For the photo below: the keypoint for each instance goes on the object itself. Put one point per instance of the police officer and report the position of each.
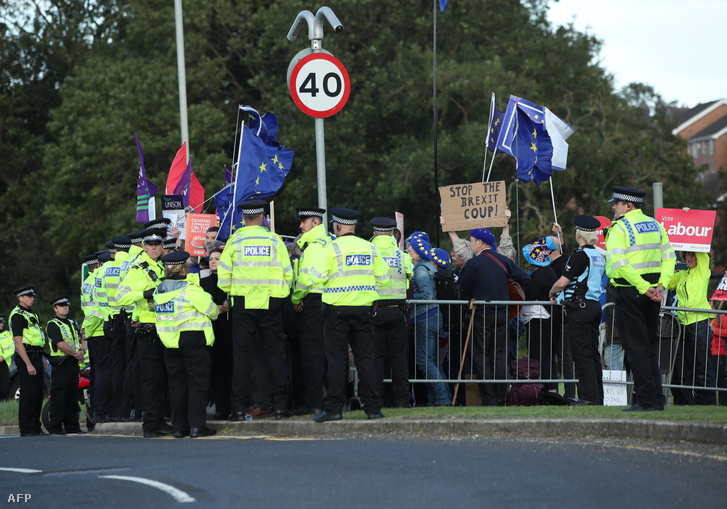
(183, 313)
(7, 349)
(390, 329)
(66, 352)
(117, 317)
(348, 269)
(133, 349)
(98, 348)
(640, 264)
(29, 343)
(169, 245)
(307, 301)
(255, 271)
(137, 289)
(581, 281)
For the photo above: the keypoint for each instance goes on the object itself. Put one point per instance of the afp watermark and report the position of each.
(19, 497)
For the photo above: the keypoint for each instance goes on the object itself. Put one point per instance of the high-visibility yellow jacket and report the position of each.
(182, 305)
(70, 335)
(112, 274)
(311, 243)
(255, 265)
(400, 268)
(33, 334)
(691, 286)
(348, 269)
(144, 274)
(93, 317)
(99, 292)
(7, 346)
(639, 252)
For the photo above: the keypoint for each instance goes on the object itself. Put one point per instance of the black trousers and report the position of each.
(221, 371)
(153, 381)
(133, 367)
(264, 326)
(31, 393)
(312, 350)
(120, 396)
(344, 326)
(4, 380)
(540, 336)
(188, 369)
(637, 321)
(99, 352)
(392, 340)
(64, 408)
(489, 351)
(583, 335)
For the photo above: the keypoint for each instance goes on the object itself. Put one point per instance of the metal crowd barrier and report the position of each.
(689, 371)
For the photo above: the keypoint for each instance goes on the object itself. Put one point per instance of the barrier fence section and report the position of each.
(448, 339)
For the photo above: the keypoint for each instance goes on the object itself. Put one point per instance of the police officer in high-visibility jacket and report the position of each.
(307, 301)
(349, 269)
(7, 349)
(255, 271)
(137, 290)
(183, 314)
(67, 350)
(98, 348)
(392, 333)
(640, 264)
(29, 343)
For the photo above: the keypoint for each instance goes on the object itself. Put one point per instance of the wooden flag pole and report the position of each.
(464, 350)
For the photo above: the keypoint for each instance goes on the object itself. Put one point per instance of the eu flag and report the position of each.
(495, 128)
(533, 150)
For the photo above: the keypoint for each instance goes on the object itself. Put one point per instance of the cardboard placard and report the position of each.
(197, 226)
(476, 205)
(614, 394)
(400, 227)
(173, 209)
(688, 231)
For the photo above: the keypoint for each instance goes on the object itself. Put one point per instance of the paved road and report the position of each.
(393, 471)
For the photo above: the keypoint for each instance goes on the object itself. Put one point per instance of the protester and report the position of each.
(719, 354)
(485, 278)
(693, 366)
(7, 349)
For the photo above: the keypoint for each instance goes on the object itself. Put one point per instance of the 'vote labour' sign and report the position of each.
(688, 231)
(478, 205)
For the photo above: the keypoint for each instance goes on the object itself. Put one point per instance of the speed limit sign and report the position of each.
(320, 85)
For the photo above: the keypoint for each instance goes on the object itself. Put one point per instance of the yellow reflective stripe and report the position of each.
(211, 309)
(279, 282)
(222, 265)
(647, 265)
(643, 247)
(383, 277)
(315, 273)
(185, 326)
(123, 292)
(620, 263)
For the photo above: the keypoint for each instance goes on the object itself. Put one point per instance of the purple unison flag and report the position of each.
(145, 191)
(229, 177)
(185, 182)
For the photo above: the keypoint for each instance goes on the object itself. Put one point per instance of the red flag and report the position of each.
(179, 165)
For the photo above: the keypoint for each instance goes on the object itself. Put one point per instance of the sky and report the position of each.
(677, 46)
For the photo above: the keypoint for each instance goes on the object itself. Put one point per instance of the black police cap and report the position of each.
(306, 212)
(104, 256)
(26, 290)
(343, 215)
(61, 301)
(91, 259)
(587, 223)
(383, 224)
(158, 224)
(109, 245)
(627, 194)
(252, 207)
(121, 242)
(175, 258)
(154, 236)
(136, 237)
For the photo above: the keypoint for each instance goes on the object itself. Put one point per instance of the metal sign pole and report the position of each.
(315, 35)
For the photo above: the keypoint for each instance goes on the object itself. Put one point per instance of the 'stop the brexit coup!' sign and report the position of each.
(477, 205)
(689, 230)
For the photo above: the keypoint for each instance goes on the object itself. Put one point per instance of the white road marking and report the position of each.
(21, 470)
(178, 495)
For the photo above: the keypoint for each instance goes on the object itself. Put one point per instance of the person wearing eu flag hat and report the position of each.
(640, 263)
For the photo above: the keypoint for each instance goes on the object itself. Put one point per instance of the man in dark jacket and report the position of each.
(484, 278)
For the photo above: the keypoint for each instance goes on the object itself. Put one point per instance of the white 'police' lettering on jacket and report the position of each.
(257, 251)
(393, 262)
(166, 308)
(647, 226)
(358, 259)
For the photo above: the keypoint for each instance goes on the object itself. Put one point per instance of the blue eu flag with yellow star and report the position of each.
(263, 164)
(533, 149)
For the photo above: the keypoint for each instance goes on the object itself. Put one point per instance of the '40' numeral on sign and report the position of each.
(309, 85)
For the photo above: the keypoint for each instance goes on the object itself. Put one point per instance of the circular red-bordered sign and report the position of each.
(319, 85)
